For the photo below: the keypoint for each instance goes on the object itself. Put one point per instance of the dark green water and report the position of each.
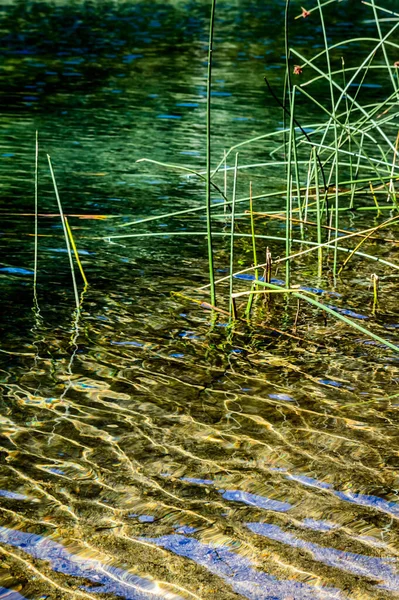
(144, 452)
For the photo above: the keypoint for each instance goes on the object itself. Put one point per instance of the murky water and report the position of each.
(146, 451)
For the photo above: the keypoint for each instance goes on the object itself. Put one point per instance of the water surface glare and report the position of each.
(148, 450)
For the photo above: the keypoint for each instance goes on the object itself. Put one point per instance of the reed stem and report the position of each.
(318, 217)
(208, 155)
(36, 217)
(231, 307)
(75, 251)
(75, 289)
(288, 204)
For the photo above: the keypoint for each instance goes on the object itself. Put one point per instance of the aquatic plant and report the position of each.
(348, 146)
(328, 163)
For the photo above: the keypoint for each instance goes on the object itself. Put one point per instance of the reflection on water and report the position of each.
(146, 451)
(107, 579)
(6, 594)
(161, 470)
(238, 571)
(383, 570)
(391, 508)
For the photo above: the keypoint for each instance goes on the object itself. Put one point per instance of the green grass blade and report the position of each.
(75, 289)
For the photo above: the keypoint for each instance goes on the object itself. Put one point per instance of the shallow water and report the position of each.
(146, 450)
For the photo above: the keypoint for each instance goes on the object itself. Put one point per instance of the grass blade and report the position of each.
(75, 289)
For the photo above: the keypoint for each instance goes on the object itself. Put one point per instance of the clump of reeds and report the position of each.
(328, 163)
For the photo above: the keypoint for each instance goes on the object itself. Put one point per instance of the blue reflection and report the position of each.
(284, 397)
(108, 579)
(373, 501)
(6, 594)
(331, 382)
(12, 495)
(347, 312)
(146, 519)
(237, 571)
(310, 481)
(65, 251)
(387, 506)
(256, 500)
(245, 497)
(318, 525)
(187, 104)
(168, 117)
(381, 569)
(197, 481)
(127, 343)
(186, 529)
(16, 271)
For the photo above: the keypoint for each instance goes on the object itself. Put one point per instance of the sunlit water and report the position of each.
(148, 452)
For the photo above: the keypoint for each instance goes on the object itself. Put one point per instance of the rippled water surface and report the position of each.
(146, 450)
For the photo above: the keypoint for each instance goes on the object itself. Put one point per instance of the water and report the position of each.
(145, 452)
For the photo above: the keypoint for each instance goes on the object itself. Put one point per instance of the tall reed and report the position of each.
(36, 219)
(231, 302)
(208, 153)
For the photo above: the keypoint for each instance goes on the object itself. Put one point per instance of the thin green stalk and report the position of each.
(333, 112)
(356, 174)
(318, 216)
(374, 196)
(308, 185)
(36, 216)
(375, 283)
(225, 182)
(298, 184)
(231, 307)
(75, 289)
(251, 211)
(252, 293)
(384, 51)
(75, 251)
(390, 12)
(287, 79)
(392, 190)
(288, 202)
(348, 111)
(208, 153)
